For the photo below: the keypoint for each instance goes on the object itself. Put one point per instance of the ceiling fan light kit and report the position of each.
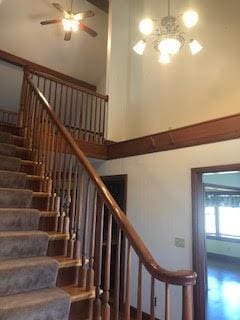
(72, 22)
(166, 35)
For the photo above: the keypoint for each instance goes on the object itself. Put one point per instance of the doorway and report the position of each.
(216, 239)
(117, 185)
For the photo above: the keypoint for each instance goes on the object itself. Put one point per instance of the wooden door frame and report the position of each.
(198, 229)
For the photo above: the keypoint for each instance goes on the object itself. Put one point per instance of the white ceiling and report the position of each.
(83, 57)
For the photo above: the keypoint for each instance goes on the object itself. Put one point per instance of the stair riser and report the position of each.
(23, 154)
(55, 248)
(15, 247)
(47, 224)
(27, 278)
(41, 204)
(29, 169)
(66, 276)
(80, 310)
(33, 185)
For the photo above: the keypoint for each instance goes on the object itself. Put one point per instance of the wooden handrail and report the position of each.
(67, 83)
(182, 277)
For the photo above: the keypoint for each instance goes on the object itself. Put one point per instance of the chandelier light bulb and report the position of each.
(146, 26)
(169, 46)
(195, 46)
(140, 47)
(164, 58)
(190, 18)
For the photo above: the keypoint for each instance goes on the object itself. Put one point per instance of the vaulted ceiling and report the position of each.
(83, 57)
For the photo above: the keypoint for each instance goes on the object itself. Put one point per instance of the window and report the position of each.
(229, 222)
(222, 222)
(210, 220)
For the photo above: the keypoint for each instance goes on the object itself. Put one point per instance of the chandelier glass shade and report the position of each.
(166, 35)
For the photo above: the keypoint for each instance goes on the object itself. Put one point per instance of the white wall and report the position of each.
(192, 88)
(10, 86)
(117, 68)
(159, 201)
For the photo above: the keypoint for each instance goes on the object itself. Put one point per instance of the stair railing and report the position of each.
(80, 197)
(81, 110)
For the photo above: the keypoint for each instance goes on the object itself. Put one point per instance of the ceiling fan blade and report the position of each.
(44, 23)
(68, 36)
(58, 7)
(83, 15)
(85, 28)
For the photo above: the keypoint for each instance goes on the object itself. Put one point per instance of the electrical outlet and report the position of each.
(179, 242)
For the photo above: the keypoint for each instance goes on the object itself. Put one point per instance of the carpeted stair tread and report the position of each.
(19, 219)
(11, 179)
(28, 274)
(46, 304)
(8, 150)
(15, 198)
(10, 163)
(22, 244)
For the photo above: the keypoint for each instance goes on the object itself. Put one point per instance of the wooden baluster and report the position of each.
(71, 113)
(167, 301)
(98, 259)
(116, 302)
(83, 269)
(100, 122)
(107, 272)
(54, 105)
(91, 119)
(90, 272)
(79, 215)
(76, 116)
(127, 285)
(85, 133)
(59, 111)
(80, 131)
(187, 308)
(152, 300)
(104, 120)
(95, 120)
(73, 212)
(139, 295)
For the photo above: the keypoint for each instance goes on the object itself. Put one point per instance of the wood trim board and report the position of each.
(211, 131)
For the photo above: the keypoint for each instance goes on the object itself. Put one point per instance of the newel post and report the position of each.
(187, 301)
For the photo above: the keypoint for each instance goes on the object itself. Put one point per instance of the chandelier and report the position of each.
(166, 35)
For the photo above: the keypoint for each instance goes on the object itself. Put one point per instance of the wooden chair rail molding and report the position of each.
(23, 63)
(216, 130)
(38, 117)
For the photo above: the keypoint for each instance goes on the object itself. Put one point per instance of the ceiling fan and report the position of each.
(71, 21)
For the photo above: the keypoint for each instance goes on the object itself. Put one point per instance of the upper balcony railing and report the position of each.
(81, 110)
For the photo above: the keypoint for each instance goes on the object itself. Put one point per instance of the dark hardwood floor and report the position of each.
(223, 301)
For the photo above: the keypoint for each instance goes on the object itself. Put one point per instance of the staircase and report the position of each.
(56, 263)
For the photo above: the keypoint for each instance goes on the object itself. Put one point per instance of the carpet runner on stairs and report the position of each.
(27, 276)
